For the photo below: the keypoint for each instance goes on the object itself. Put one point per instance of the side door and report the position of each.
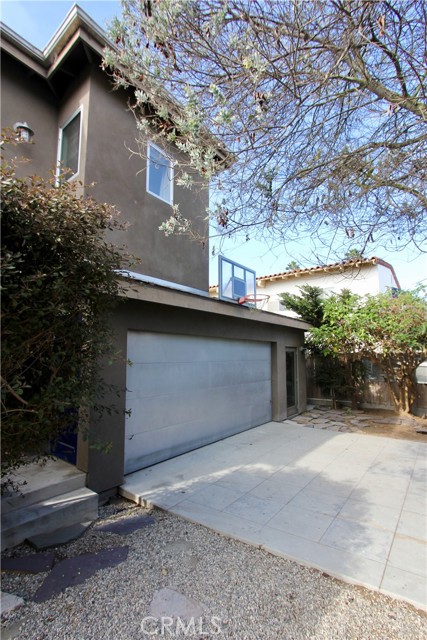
(291, 381)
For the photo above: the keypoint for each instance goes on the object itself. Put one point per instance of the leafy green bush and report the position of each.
(389, 329)
(58, 286)
(343, 376)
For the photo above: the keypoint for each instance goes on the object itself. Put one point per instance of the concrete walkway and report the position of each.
(351, 505)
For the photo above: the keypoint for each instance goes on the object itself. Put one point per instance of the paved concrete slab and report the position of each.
(351, 505)
(59, 536)
(9, 602)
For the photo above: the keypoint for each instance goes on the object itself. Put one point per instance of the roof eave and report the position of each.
(338, 266)
(77, 23)
(75, 19)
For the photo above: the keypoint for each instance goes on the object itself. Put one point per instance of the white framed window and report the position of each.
(159, 174)
(69, 146)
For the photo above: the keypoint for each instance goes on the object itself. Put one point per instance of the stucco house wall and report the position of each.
(24, 98)
(120, 179)
(366, 276)
(167, 292)
(108, 134)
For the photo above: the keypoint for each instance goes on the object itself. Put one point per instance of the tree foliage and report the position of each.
(293, 265)
(309, 304)
(340, 374)
(322, 105)
(58, 285)
(389, 330)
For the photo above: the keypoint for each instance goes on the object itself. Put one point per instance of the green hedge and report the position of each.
(58, 286)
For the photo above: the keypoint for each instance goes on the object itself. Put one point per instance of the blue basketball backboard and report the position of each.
(235, 280)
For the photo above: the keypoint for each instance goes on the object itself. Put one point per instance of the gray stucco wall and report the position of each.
(25, 97)
(108, 132)
(120, 178)
(107, 128)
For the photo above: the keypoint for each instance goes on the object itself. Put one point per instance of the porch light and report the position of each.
(23, 131)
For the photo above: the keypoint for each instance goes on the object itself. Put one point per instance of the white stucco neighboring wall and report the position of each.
(363, 279)
(386, 279)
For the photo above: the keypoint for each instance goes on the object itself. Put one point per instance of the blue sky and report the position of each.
(37, 21)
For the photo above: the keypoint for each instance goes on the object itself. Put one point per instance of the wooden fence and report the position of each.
(376, 394)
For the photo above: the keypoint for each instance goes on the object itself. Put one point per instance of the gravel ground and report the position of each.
(246, 593)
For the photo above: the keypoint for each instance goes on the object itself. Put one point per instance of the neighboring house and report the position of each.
(360, 275)
(201, 369)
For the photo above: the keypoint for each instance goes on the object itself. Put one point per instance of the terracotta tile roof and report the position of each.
(335, 266)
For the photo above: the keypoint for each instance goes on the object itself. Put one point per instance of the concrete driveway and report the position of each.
(351, 505)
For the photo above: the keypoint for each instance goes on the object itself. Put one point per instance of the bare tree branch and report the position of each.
(322, 106)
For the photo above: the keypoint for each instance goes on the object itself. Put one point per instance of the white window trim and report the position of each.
(60, 134)
(171, 181)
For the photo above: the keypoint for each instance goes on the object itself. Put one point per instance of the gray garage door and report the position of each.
(185, 392)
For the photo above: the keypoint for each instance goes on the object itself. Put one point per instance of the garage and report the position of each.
(186, 391)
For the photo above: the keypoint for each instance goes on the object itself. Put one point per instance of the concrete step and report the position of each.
(39, 481)
(48, 515)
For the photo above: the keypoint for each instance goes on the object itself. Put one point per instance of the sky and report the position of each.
(37, 21)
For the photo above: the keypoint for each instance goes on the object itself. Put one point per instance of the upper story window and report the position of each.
(69, 147)
(159, 174)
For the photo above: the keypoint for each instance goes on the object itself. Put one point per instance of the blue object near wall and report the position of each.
(65, 444)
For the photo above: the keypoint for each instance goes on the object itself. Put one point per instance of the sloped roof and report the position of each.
(77, 42)
(75, 20)
(61, 56)
(343, 265)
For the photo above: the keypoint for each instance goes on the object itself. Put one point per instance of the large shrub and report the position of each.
(58, 285)
(341, 375)
(390, 329)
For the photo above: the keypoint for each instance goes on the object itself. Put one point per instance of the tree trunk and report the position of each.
(334, 398)
(405, 395)
(355, 393)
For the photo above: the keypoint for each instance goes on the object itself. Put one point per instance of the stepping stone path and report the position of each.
(350, 421)
(9, 602)
(58, 537)
(334, 420)
(73, 571)
(35, 563)
(171, 603)
(184, 550)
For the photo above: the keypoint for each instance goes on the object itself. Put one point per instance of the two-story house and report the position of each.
(201, 369)
(360, 275)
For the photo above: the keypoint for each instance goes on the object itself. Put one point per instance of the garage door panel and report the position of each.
(143, 448)
(154, 379)
(149, 379)
(191, 391)
(172, 348)
(156, 412)
(233, 373)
